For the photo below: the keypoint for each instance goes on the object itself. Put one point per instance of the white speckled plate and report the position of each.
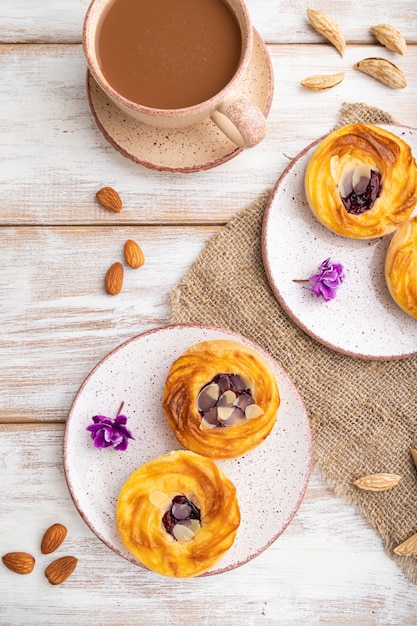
(363, 320)
(190, 149)
(270, 480)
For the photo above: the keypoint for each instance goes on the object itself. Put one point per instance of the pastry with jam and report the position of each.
(221, 399)
(361, 181)
(178, 514)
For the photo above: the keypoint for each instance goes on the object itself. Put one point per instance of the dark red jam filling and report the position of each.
(182, 510)
(208, 406)
(357, 203)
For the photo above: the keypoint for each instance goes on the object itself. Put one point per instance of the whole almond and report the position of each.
(113, 280)
(408, 547)
(329, 28)
(377, 482)
(52, 538)
(390, 37)
(413, 453)
(19, 562)
(320, 82)
(383, 70)
(109, 199)
(133, 254)
(61, 569)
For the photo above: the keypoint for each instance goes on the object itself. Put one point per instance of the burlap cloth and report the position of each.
(363, 413)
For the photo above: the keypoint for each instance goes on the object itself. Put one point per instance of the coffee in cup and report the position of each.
(173, 64)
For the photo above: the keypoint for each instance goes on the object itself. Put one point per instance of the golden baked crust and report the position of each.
(329, 177)
(147, 495)
(401, 267)
(196, 368)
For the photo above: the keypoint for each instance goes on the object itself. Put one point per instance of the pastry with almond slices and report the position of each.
(221, 399)
(361, 181)
(178, 514)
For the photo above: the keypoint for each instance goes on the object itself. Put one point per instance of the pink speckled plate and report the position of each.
(190, 149)
(363, 320)
(270, 480)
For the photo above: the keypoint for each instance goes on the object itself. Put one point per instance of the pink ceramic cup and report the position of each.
(236, 116)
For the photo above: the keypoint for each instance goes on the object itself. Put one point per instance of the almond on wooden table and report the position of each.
(383, 70)
(390, 37)
(133, 254)
(320, 82)
(58, 571)
(329, 28)
(52, 538)
(113, 280)
(109, 199)
(377, 482)
(19, 562)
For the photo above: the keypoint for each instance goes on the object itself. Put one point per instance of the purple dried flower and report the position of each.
(107, 432)
(327, 280)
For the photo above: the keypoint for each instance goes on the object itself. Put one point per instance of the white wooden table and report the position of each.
(56, 321)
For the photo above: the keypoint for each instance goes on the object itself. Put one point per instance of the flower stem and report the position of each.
(120, 407)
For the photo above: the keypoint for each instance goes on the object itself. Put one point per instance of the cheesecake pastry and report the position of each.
(178, 514)
(401, 266)
(221, 399)
(361, 181)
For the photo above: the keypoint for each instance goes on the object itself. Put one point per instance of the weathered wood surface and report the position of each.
(279, 22)
(327, 568)
(57, 322)
(54, 159)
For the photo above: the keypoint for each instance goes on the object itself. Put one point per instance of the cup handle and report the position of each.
(241, 121)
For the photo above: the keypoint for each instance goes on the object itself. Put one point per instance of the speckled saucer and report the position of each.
(198, 147)
(270, 480)
(363, 320)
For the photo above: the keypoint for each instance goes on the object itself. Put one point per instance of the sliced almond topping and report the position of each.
(182, 533)
(252, 411)
(212, 391)
(160, 500)
(345, 186)
(194, 525)
(207, 397)
(227, 398)
(334, 167)
(360, 177)
(224, 412)
(205, 425)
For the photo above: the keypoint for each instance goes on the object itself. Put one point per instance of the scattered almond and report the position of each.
(322, 81)
(414, 455)
(390, 37)
(160, 499)
(113, 281)
(327, 27)
(52, 538)
(58, 571)
(383, 70)
(377, 482)
(133, 254)
(109, 199)
(19, 562)
(408, 547)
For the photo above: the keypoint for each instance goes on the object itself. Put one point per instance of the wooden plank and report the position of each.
(328, 567)
(57, 321)
(54, 159)
(60, 21)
